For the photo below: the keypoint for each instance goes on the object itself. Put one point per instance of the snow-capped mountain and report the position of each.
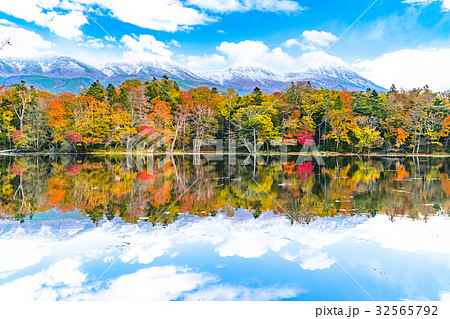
(333, 76)
(245, 77)
(50, 66)
(59, 73)
(151, 68)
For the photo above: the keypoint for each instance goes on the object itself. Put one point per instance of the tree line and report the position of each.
(98, 118)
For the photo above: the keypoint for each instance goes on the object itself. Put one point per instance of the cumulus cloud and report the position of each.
(320, 58)
(66, 25)
(7, 23)
(291, 43)
(23, 42)
(206, 62)
(257, 52)
(66, 17)
(445, 3)
(144, 47)
(246, 5)
(92, 43)
(60, 18)
(313, 40)
(163, 15)
(409, 68)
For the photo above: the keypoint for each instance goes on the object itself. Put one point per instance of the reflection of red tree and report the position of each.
(445, 183)
(74, 169)
(145, 176)
(305, 170)
(16, 170)
(187, 202)
(161, 195)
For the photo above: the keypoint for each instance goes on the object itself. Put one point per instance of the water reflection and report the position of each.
(107, 187)
(65, 220)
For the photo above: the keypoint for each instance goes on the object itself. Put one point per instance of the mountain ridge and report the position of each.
(57, 73)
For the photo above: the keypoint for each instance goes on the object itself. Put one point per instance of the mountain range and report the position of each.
(65, 74)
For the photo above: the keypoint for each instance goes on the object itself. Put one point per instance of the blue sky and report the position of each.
(404, 42)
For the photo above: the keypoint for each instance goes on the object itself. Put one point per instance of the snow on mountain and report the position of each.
(49, 65)
(156, 67)
(245, 77)
(242, 77)
(333, 76)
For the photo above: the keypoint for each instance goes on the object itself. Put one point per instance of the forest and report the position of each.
(105, 118)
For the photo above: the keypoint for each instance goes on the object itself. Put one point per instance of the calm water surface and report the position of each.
(117, 228)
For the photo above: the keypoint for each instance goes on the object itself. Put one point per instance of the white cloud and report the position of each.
(291, 43)
(445, 297)
(230, 293)
(163, 15)
(66, 24)
(409, 68)
(445, 3)
(7, 23)
(175, 43)
(92, 43)
(145, 46)
(257, 52)
(246, 5)
(320, 58)
(206, 62)
(23, 42)
(313, 40)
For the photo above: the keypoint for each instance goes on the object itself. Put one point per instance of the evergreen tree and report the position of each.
(97, 91)
(111, 93)
(257, 96)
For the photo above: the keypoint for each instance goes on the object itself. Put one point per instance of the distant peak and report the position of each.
(247, 66)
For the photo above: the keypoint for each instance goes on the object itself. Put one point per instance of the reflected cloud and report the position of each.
(230, 293)
(16, 254)
(59, 281)
(155, 283)
(426, 236)
(81, 255)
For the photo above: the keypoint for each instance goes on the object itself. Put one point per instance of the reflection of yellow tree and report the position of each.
(108, 187)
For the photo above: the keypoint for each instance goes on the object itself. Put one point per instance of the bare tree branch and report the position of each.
(5, 43)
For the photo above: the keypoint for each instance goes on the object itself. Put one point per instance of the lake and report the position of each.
(194, 228)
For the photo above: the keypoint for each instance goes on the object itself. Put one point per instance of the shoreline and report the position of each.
(177, 153)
